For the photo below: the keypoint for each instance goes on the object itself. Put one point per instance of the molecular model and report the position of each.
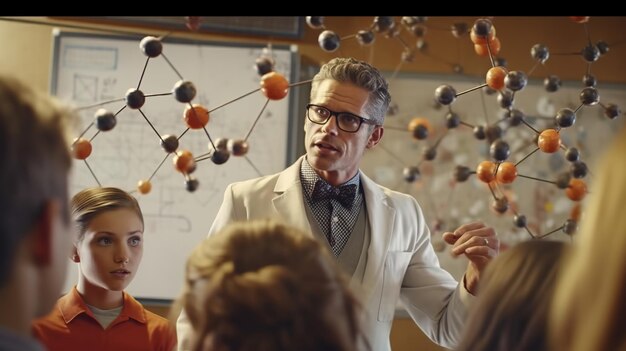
(195, 116)
(499, 171)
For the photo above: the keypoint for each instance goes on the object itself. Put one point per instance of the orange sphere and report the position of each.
(494, 45)
(274, 85)
(184, 162)
(495, 77)
(549, 141)
(507, 172)
(144, 186)
(81, 149)
(486, 171)
(576, 190)
(196, 117)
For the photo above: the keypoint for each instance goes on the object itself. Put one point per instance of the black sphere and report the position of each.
(329, 41)
(452, 120)
(552, 83)
(612, 111)
(461, 173)
(603, 47)
(220, 156)
(589, 96)
(505, 99)
(383, 23)
(590, 53)
(562, 181)
(151, 46)
(418, 30)
(572, 154)
(459, 29)
(500, 205)
(589, 80)
(519, 220)
(565, 118)
(420, 132)
(315, 22)
(429, 153)
(479, 132)
(516, 80)
(105, 120)
(578, 169)
(540, 52)
(482, 27)
(191, 184)
(184, 91)
(135, 98)
(445, 94)
(365, 37)
(516, 117)
(570, 226)
(169, 143)
(264, 65)
(411, 174)
(499, 150)
(500, 61)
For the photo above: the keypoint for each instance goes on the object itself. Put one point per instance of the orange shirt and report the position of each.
(72, 326)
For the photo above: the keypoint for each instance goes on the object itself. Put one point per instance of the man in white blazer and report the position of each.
(379, 236)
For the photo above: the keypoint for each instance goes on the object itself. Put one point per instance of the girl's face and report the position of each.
(111, 249)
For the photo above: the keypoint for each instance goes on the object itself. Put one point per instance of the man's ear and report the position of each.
(43, 231)
(376, 137)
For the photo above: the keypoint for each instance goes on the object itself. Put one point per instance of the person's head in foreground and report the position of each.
(266, 286)
(589, 307)
(34, 214)
(511, 309)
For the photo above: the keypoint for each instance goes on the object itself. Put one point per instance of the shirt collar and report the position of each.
(72, 304)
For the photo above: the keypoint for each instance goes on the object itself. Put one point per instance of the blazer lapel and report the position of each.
(289, 199)
(381, 218)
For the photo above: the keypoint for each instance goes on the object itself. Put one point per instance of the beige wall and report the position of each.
(26, 52)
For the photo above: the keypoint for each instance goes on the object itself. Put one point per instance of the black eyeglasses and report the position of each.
(346, 121)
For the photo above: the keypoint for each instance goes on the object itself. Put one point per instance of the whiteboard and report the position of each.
(91, 69)
(545, 206)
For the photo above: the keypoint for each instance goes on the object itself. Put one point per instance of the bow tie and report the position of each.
(344, 194)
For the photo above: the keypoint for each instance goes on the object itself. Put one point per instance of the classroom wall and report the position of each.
(27, 47)
(27, 53)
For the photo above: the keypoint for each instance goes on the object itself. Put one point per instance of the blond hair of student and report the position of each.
(266, 286)
(589, 309)
(511, 310)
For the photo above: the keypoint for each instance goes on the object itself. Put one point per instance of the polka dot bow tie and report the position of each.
(344, 194)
